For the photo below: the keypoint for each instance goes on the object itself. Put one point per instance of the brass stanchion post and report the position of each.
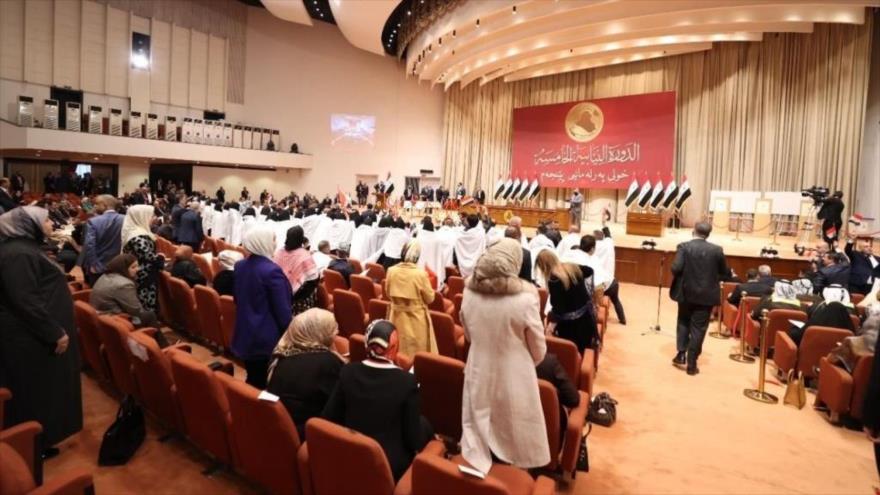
(759, 394)
(741, 356)
(720, 334)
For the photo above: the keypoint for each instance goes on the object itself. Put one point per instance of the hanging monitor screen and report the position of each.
(346, 128)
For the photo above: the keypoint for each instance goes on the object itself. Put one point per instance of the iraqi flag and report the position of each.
(507, 186)
(499, 187)
(632, 193)
(524, 191)
(657, 194)
(684, 192)
(645, 194)
(670, 193)
(512, 191)
(535, 189)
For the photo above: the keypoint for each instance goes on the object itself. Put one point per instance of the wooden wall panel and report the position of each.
(118, 52)
(198, 70)
(12, 39)
(66, 43)
(93, 49)
(179, 77)
(160, 68)
(38, 26)
(216, 91)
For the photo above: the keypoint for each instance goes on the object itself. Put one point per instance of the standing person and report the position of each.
(871, 409)
(221, 194)
(576, 208)
(137, 239)
(262, 301)
(525, 270)
(224, 280)
(7, 203)
(245, 194)
(189, 230)
(409, 289)
(103, 238)
(864, 265)
(39, 358)
(501, 407)
(300, 269)
(697, 271)
(570, 299)
(831, 215)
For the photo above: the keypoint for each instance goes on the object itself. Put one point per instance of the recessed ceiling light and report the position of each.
(514, 9)
(408, 12)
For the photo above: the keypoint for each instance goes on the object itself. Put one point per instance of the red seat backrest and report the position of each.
(457, 314)
(82, 295)
(437, 303)
(152, 371)
(227, 319)
(349, 312)
(567, 354)
(435, 475)
(113, 333)
(334, 280)
(204, 267)
(86, 319)
(441, 381)
(356, 265)
(183, 304)
(375, 272)
(542, 301)
(378, 309)
(778, 321)
(550, 405)
(357, 350)
(340, 460)
(264, 436)
(444, 333)
(203, 405)
(454, 285)
(364, 288)
(209, 313)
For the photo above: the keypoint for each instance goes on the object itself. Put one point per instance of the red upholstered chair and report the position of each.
(356, 265)
(357, 352)
(728, 311)
(21, 468)
(204, 267)
(747, 304)
(365, 288)
(543, 295)
(5, 395)
(341, 345)
(456, 315)
(337, 460)
(855, 299)
(204, 407)
(325, 300)
(166, 309)
(209, 314)
(265, 437)
(349, 312)
(843, 393)
(86, 319)
(152, 371)
(566, 460)
(376, 272)
(816, 343)
(441, 304)
(113, 334)
(377, 309)
(441, 381)
(446, 332)
(333, 280)
(215, 265)
(433, 474)
(82, 295)
(856, 322)
(778, 320)
(581, 371)
(454, 285)
(452, 271)
(227, 320)
(183, 304)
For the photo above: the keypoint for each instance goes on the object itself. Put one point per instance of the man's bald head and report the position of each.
(512, 233)
(515, 222)
(105, 202)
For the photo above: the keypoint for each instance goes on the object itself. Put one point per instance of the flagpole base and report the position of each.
(760, 396)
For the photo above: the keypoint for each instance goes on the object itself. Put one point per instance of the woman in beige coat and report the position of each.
(410, 293)
(501, 407)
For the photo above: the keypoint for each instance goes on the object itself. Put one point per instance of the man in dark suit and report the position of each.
(525, 270)
(753, 286)
(864, 266)
(835, 269)
(697, 269)
(6, 201)
(189, 231)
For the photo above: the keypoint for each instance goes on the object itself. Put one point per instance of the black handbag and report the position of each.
(583, 461)
(124, 436)
(603, 410)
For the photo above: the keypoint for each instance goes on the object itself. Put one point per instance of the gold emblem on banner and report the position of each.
(584, 122)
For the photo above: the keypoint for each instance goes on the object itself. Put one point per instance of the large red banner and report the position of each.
(603, 143)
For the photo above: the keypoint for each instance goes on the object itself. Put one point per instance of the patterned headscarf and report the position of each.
(836, 293)
(382, 341)
(411, 252)
(783, 289)
(803, 286)
(310, 331)
(137, 222)
(23, 222)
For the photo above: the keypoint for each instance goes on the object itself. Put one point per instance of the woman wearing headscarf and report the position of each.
(572, 305)
(380, 400)
(224, 280)
(300, 269)
(138, 240)
(305, 366)
(847, 353)
(834, 311)
(262, 305)
(115, 292)
(410, 292)
(39, 356)
(501, 407)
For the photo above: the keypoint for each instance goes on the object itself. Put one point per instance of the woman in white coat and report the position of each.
(501, 407)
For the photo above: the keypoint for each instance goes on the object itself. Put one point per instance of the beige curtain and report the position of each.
(776, 115)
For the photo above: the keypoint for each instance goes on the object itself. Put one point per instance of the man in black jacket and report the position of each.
(525, 270)
(835, 270)
(697, 271)
(864, 266)
(753, 286)
(6, 201)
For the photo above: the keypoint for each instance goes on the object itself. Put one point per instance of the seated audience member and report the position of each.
(765, 276)
(305, 367)
(525, 269)
(115, 292)
(410, 292)
(300, 269)
(834, 311)
(753, 286)
(551, 370)
(572, 307)
(185, 268)
(834, 271)
(865, 265)
(783, 296)
(846, 354)
(803, 287)
(341, 264)
(322, 256)
(380, 400)
(224, 280)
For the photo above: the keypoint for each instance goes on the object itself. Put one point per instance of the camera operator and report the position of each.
(831, 215)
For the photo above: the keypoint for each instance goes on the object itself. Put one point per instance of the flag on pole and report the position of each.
(657, 194)
(670, 193)
(632, 192)
(684, 192)
(499, 187)
(512, 189)
(645, 194)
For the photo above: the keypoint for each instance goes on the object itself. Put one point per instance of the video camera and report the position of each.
(816, 193)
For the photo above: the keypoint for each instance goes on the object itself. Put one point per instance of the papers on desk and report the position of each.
(267, 396)
(471, 471)
(797, 323)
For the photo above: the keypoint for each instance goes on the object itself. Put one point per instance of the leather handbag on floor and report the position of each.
(603, 410)
(583, 462)
(795, 390)
(124, 436)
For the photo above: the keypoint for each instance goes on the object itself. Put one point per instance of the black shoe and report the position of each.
(622, 322)
(693, 370)
(50, 453)
(679, 359)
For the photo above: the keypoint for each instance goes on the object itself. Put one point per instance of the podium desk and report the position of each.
(647, 224)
